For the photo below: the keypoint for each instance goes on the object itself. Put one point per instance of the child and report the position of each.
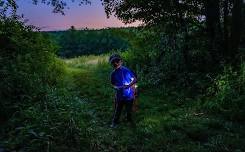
(123, 81)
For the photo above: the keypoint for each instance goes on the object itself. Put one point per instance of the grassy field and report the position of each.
(164, 122)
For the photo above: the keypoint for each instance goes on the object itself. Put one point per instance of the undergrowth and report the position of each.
(76, 117)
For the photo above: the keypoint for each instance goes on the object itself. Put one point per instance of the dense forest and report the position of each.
(189, 55)
(75, 42)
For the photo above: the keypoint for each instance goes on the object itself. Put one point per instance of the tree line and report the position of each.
(75, 42)
(221, 21)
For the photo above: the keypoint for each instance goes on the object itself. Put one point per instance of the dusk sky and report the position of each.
(90, 16)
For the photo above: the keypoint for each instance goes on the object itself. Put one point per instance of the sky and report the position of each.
(85, 16)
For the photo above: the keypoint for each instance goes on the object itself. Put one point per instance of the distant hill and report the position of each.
(75, 42)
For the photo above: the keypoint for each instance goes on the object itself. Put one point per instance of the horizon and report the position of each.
(90, 29)
(91, 16)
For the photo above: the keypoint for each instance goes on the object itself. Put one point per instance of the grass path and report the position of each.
(165, 122)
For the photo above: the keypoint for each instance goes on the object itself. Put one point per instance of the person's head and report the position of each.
(115, 60)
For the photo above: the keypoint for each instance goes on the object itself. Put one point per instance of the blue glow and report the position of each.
(123, 77)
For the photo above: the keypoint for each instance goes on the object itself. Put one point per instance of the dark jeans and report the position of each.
(118, 110)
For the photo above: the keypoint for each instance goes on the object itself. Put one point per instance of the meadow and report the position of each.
(165, 121)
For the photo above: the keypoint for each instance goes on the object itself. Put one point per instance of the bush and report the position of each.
(57, 123)
(37, 112)
(160, 58)
(229, 94)
(27, 65)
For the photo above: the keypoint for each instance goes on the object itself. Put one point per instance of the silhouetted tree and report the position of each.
(223, 30)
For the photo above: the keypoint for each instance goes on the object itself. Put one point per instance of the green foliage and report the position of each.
(166, 120)
(228, 91)
(57, 123)
(222, 20)
(76, 118)
(154, 11)
(49, 104)
(28, 64)
(162, 59)
(39, 110)
(83, 42)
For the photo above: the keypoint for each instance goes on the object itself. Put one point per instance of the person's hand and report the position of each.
(126, 86)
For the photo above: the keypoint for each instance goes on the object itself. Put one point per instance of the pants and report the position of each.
(118, 110)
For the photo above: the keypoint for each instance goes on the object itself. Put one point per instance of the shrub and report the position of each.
(229, 94)
(37, 111)
(27, 65)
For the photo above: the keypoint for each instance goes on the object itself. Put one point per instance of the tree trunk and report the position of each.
(236, 29)
(183, 25)
(212, 12)
(226, 31)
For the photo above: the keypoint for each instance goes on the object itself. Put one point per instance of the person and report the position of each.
(123, 80)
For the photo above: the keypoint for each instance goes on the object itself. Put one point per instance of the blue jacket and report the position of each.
(120, 77)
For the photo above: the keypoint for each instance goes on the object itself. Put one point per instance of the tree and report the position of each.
(58, 5)
(236, 27)
(213, 26)
(222, 29)
(152, 11)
